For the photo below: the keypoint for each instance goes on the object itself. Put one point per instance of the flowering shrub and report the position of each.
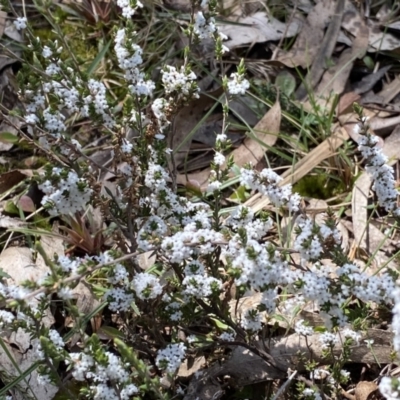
(199, 254)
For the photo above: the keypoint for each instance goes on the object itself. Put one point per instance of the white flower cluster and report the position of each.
(311, 394)
(328, 340)
(151, 233)
(109, 378)
(129, 57)
(182, 82)
(70, 98)
(378, 289)
(251, 320)
(266, 182)
(20, 23)
(159, 108)
(238, 84)
(319, 374)
(227, 336)
(390, 388)
(171, 357)
(65, 195)
(310, 242)
(129, 7)
(350, 334)
(146, 286)
(6, 318)
(200, 286)
(57, 340)
(205, 28)
(97, 98)
(302, 329)
(382, 174)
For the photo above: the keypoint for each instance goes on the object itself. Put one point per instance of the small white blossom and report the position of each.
(20, 23)
(171, 357)
(146, 286)
(237, 84)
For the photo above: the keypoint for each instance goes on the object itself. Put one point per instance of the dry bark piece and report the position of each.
(11, 178)
(245, 368)
(366, 390)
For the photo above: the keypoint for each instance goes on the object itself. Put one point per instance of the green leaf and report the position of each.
(11, 208)
(8, 137)
(3, 274)
(369, 62)
(98, 58)
(240, 194)
(286, 82)
(135, 308)
(111, 332)
(219, 324)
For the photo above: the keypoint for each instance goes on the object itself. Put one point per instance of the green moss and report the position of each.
(77, 37)
(319, 186)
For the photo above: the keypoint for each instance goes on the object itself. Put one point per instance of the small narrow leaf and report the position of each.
(8, 137)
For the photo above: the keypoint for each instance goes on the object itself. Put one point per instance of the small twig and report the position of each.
(282, 389)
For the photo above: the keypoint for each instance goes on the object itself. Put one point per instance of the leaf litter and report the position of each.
(331, 40)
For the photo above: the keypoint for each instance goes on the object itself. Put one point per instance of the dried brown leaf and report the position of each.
(185, 121)
(265, 135)
(310, 38)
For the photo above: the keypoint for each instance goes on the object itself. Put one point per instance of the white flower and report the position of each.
(238, 84)
(65, 293)
(382, 174)
(46, 52)
(171, 357)
(348, 333)
(302, 329)
(251, 320)
(227, 336)
(182, 82)
(119, 299)
(219, 159)
(204, 28)
(215, 185)
(67, 196)
(221, 138)
(6, 318)
(20, 23)
(328, 340)
(127, 10)
(146, 286)
(311, 393)
(57, 340)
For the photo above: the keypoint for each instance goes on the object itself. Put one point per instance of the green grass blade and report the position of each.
(98, 58)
